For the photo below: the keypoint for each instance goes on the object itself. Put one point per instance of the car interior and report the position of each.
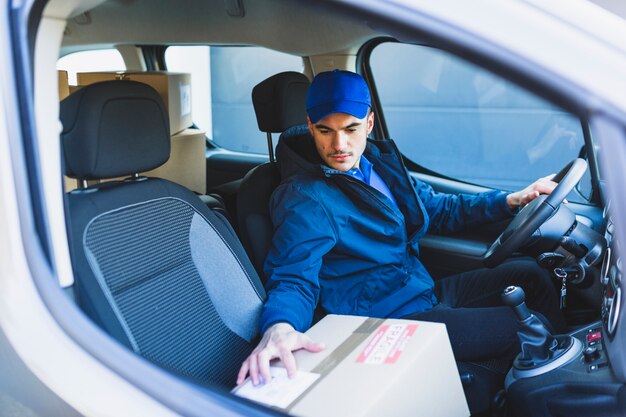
(166, 189)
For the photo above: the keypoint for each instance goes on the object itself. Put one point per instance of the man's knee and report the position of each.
(529, 269)
(539, 274)
(526, 273)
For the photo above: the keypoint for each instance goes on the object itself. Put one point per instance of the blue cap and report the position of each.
(337, 91)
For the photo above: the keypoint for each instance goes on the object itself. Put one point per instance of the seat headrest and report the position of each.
(112, 129)
(280, 101)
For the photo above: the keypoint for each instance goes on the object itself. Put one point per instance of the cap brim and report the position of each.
(358, 110)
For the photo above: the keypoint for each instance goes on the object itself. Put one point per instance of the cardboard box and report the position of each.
(370, 367)
(64, 87)
(187, 163)
(174, 88)
(69, 184)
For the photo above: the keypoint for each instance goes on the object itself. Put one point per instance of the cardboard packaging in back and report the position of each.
(64, 87)
(174, 88)
(370, 367)
(187, 163)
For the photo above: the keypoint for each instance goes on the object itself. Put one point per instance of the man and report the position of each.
(347, 219)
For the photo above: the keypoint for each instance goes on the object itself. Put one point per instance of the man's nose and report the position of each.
(340, 141)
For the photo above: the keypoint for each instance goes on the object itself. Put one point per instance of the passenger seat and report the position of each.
(154, 267)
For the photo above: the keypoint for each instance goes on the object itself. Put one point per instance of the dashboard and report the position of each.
(592, 382)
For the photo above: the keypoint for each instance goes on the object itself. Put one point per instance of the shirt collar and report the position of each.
(364, 172)
(366, 168)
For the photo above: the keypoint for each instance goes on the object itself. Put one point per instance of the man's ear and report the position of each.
(370, 122)
(309, 124)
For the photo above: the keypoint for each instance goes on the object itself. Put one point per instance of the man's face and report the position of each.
(340, 139)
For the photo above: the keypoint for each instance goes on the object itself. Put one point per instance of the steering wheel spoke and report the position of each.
(534, 214)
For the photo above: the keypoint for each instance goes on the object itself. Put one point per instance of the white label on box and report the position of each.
(281, 391)
(387, 344)
(185, 100)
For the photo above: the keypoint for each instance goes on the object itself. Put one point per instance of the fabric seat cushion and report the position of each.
(166, 276)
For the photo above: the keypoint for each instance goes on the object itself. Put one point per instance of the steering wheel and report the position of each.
(534, 214)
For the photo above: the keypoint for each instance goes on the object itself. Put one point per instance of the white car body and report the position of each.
(569, 49)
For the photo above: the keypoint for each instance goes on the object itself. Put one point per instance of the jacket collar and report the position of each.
(296, 153)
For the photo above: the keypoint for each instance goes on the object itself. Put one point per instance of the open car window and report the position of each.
(463, 122)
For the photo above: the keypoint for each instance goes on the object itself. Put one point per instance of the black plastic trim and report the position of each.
(154, 57)
(594, 170)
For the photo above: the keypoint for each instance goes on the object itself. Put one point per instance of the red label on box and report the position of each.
(387, 344)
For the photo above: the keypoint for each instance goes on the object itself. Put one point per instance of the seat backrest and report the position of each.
(279, 103)
(154, 267)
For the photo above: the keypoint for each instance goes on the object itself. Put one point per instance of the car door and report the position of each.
(463, 129)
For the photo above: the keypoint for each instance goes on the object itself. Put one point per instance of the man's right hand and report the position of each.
(279, 341)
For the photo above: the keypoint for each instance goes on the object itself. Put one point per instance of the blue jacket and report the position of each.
(340, 242)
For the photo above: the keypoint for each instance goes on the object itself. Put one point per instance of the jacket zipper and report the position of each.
(404, 172)
(365, 187)
(382, 203)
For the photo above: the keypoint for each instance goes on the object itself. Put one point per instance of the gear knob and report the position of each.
(514, 297)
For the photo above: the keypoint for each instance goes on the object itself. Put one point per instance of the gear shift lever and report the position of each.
(541, 351)
(514, 297)
(538, 345)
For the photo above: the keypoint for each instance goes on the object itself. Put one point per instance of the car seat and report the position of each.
(154, 267)
(279, 103)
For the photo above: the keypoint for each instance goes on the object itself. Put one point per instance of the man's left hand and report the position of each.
(543, 185)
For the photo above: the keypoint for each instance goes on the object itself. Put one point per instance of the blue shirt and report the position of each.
(367, 174)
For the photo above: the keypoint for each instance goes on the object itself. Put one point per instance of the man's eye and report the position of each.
(351, 130)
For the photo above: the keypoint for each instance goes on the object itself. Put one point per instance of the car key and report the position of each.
(562, 274)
